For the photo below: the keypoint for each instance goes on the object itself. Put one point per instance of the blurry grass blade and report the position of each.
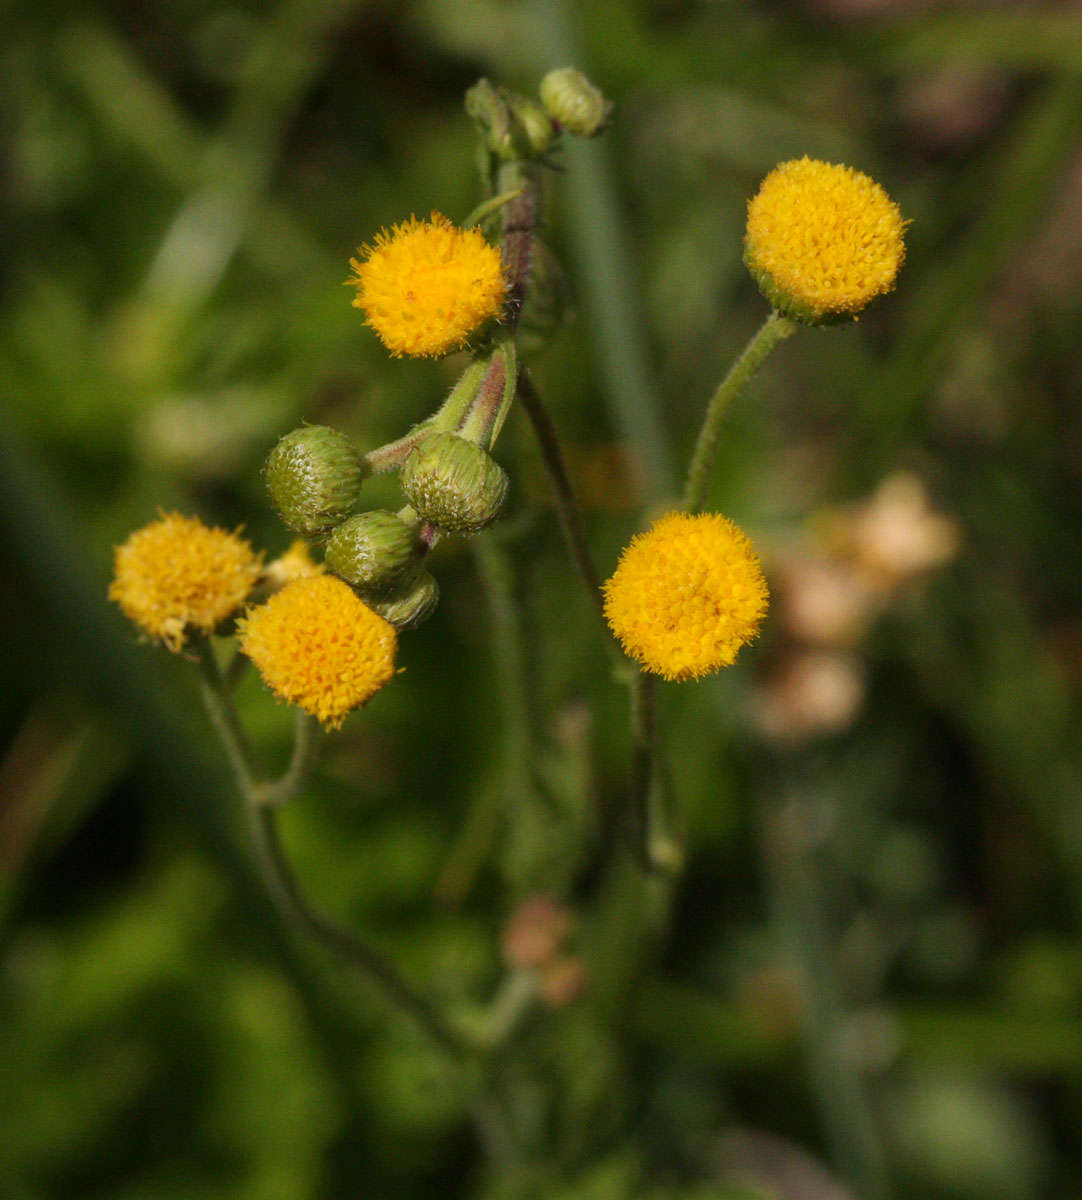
(603, 247)
(131, 102)
(1017, 183)
(1025, 40)
(284, 59)
(58, 765)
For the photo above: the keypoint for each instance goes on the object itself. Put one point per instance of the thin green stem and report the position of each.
(393, 454)
(518, 220)
(276, 792)
(497, 1023)
(653, 845)
(773, 330)
(655, 850)
(644, 734)
(487, 207)
(262, 799)
(218, 702)
(286, 894)
(567, 508)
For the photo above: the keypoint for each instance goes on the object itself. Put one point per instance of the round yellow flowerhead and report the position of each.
(686, 595)
(425, 286)
(178, 574)
(318, 646)
(822, 240)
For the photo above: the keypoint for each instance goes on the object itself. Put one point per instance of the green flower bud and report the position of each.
(412, 601)
(453, 483)
(314, 477)
(534, 125)
(512, 126)
(574, 102)
(372, 550)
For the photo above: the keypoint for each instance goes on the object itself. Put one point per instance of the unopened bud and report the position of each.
(372, 550)
(412, 601)
(534, 125)
(512, 126)
(574, 102)
(454, 483)
(314, 477)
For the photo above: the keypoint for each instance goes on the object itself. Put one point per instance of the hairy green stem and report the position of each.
(651, 840)
(393, 454)
(218, 702)
(285, 892)
(567, 508)
(487, 207)
(518, 218)
(276, 792)
(262, 799)
(773, 330)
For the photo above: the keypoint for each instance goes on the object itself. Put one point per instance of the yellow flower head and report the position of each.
(822, 240)
(426, 286)
(318, 646)
(686, 595)
(178, 574)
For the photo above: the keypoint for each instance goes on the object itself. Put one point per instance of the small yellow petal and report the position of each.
(296, 563)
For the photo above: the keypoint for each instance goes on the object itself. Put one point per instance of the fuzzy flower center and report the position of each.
(425, 286)
(823, 240)
(318, 646)
(178, 574)
(686, 595)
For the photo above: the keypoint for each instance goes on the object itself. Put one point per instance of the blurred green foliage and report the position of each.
(873, 958)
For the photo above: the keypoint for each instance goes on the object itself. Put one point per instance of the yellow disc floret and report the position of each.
(425, 286)
(178, 574)
(318, 646)
(822, 240)
(686, 595)
(296, 563)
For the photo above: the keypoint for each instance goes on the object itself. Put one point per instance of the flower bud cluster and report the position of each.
(451, 484)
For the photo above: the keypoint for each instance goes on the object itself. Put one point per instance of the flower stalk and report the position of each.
(567, 506)
(775, 329)
(262, 799)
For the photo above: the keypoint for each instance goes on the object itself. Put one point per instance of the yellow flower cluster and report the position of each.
(686, 595)
(178, 574)
(318, 646)
(425, 286)
(822, 240)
